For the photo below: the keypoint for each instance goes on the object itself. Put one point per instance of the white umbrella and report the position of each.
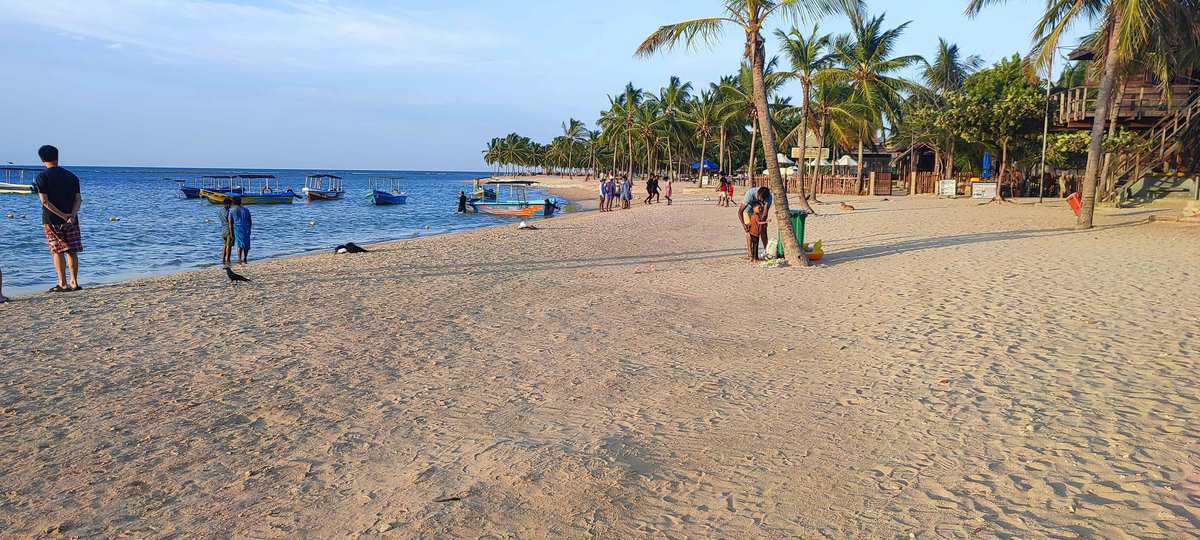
(846, 161)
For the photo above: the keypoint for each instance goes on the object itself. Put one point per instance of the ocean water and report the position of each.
(135, 222)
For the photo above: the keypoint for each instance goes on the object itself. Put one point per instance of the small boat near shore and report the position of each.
(385, 191)
(323, 187)
(18, 180)
(256, 189)
(511, 200)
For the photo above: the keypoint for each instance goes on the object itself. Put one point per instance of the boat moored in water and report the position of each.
(512, 200)
(255, 189)
(323, 187)
(213, 183)
(18, 180)
(385, 190)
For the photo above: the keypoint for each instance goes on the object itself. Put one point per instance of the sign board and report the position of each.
(983, 190)
(947, 188)
(810, 153)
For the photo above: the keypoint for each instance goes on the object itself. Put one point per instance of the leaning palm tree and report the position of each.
(807, 57)
(863, 59)
(1126, 30)
(750, 16)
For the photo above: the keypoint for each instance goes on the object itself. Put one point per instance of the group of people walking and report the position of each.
(613, 189)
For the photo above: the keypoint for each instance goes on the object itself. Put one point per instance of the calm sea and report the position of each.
(136, 223)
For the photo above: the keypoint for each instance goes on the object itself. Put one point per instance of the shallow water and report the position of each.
(135, 222)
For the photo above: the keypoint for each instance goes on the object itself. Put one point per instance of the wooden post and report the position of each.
(871, 190)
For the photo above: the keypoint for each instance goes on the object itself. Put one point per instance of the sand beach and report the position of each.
(948, 370)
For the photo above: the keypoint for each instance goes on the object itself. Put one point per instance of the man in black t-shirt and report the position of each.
(58, 190)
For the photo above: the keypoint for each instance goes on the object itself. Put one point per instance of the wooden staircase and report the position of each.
(1156, 145)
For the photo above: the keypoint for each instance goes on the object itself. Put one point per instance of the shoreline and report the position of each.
(26, 292)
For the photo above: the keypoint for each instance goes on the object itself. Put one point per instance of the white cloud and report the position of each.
(308, 34)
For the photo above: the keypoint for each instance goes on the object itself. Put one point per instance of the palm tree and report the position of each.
(671, 100)
(573, 131)
(949, 69)
(807, 56)
(947, 73)
(864, 61)
(842, 118)
(1127, 30)
(750, 16)
(703, 116)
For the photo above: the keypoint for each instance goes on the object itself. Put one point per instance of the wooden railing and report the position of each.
(1136, 103)
(1157, 144)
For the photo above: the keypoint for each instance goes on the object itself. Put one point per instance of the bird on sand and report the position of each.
(234, 277)
(349, 247)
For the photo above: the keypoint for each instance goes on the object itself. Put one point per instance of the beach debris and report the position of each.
(525, 226)
(9, 215)
(773, 263)
(426, 227)
(114, 219)
(453, 498)
(208, 220)
(846, 207)
(349, 247)
(234, 277)
(312, 223)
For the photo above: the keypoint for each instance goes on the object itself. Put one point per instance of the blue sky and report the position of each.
(361, 84)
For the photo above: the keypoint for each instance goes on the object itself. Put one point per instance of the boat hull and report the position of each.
(508, 209)
(194, 192)
(383, 198)
(322, 195)
(16, 189)
(216, 197)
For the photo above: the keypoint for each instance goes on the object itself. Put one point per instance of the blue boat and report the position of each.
(385, 190)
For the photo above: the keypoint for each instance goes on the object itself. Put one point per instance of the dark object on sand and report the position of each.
(349, 247)
(234, 277)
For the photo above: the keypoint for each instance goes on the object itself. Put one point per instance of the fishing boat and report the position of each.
(512, 200)
(323, 187)
(18, 180)
(385, 190)
(481, 191)
(217, 184)
(256, 189)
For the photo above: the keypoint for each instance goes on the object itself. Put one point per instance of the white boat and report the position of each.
(18, 180)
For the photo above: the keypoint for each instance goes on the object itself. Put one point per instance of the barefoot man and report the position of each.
(58, 190)
(762, 196)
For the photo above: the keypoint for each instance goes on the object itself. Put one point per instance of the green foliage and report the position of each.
(1067, 150)
(996, 106)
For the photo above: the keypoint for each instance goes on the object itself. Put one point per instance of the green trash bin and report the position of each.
(797, 225)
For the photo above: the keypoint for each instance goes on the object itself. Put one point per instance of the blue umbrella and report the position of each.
(708, 165)
(987, 165)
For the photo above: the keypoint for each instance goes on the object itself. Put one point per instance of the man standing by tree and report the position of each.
(757, 198)
(58, 190)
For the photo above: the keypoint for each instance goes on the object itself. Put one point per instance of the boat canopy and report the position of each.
(329, 176)
(255, 176)
(19, 168)
(509, 183)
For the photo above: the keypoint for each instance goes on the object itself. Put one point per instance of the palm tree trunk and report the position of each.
(629, 140)
(703, 148)
(721, 151)
(753, 141)
(858, 176)
(1003, 170)
(803, 151)
(1087, 190)
(791, 248)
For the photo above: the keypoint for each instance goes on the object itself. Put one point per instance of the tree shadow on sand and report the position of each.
(907, 247)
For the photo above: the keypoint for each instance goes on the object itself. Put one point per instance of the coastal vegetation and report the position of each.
(854, 93)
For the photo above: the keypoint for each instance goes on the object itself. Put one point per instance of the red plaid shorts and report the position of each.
(64, 238)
